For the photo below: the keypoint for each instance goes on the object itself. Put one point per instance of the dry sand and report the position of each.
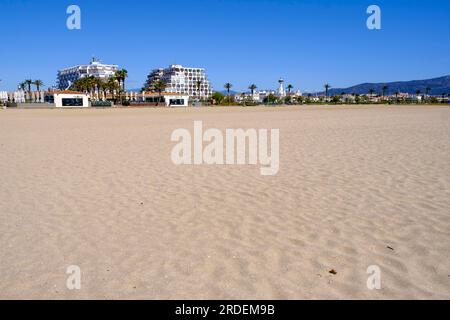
(97, 189)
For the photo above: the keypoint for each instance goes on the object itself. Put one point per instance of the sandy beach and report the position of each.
(357, 187)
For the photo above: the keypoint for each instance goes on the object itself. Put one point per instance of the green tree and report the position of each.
(103, 86)
(28, 83)
(228, 87)
(336, 99)
(121, 75)
(92, 83)
(270, 99)
(434, 100)
(85, 84)
(252, 88)
(384, 89)
(289, 88)
(76, 85)
(218, 97)
(159, 86)
(38, 84)
(113, 86)
(288, 100)
(299, 100)
(79, 85)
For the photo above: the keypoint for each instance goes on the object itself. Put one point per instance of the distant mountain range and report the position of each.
(438, 86)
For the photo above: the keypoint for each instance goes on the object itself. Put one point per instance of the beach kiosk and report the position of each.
(68, 99)
(167, 99)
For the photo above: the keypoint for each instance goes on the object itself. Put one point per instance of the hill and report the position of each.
(438, 86)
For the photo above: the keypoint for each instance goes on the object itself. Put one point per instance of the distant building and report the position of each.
(260, 95)
(3, 96)
(182, 80)
(348, 98)
(67, 76)
(155, 75)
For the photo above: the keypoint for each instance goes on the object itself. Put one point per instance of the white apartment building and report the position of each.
(66, 77)
(182, 80)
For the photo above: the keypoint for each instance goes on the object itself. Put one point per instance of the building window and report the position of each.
(176, 102)
(72, 102)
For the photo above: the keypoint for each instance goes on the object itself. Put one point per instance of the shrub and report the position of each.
(101, 104)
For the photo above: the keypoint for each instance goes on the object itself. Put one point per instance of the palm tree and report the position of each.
(121, 75)
(228, 86)
(22, 85)
(103, 86)
(84, 85)
(327, 87)
(92, 83)
(385, 88)
(290, 87)
(80, 85)
(159, 86)
(28, 83)
(38, 84)
(75, 85)
(113, 86)
(252, 88)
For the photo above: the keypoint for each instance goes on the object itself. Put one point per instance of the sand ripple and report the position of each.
(96, 188)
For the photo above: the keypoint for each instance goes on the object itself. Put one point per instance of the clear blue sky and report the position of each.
(239, 41)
